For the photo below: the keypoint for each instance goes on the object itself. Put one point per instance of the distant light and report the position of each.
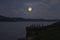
(30, 9)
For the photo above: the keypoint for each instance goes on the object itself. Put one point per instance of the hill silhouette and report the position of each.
(3, 18)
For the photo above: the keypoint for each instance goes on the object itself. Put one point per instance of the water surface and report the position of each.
(14, 30)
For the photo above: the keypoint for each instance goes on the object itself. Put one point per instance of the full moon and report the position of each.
(30, 9)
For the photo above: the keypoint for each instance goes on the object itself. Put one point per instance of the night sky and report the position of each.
(47, 9)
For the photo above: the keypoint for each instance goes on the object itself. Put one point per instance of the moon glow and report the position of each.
(30, 9)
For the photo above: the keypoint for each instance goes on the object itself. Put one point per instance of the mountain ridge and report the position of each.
(3, 18)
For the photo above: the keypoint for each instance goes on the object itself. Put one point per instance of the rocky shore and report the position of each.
(49, 32)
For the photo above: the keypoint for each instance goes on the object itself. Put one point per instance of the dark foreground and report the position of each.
(49, 32)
